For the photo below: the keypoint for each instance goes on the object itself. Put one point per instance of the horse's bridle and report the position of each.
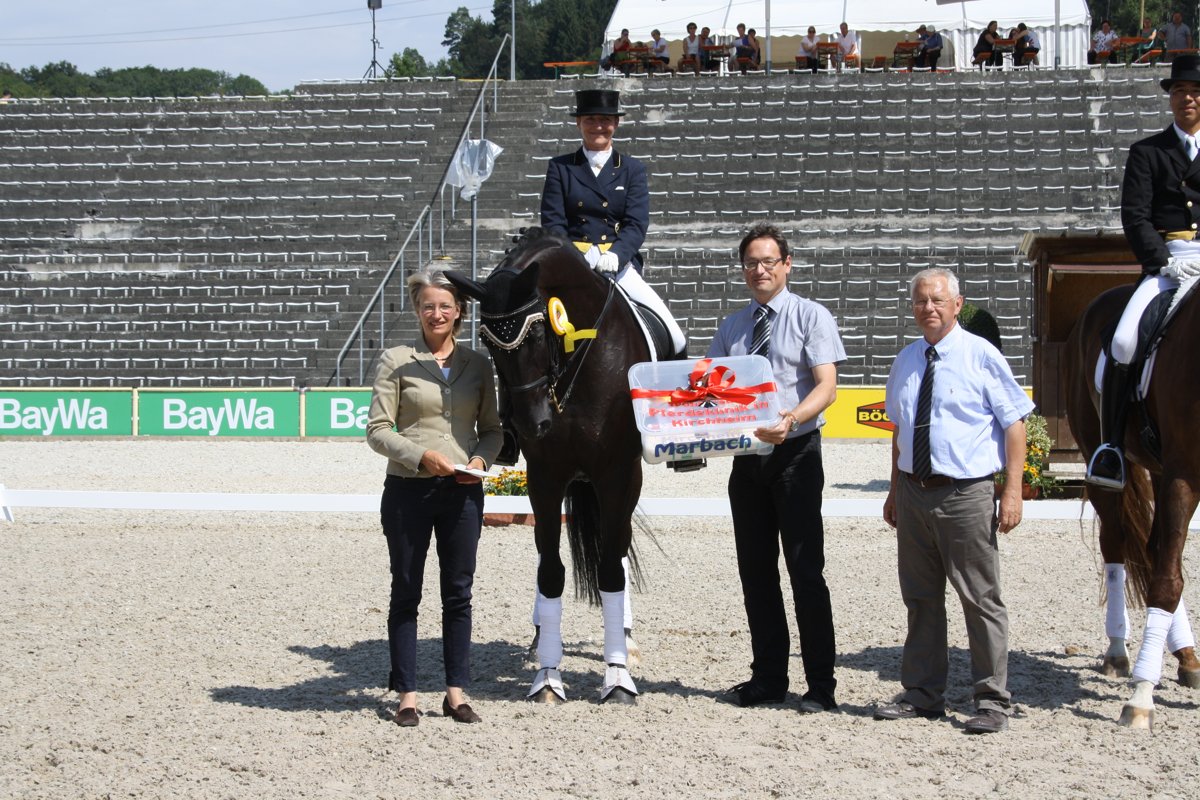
(508, 331)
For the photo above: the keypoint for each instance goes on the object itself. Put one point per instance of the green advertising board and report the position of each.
(219, 413)
(336, 412)
(66, 413)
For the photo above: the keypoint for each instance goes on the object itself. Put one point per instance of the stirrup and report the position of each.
(1106, 481)
(688, 465)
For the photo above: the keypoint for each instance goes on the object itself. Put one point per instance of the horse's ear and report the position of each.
(465, 285)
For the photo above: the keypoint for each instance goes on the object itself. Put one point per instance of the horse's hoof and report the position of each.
(633, 653)
(621, 697)
(1137, 718)
(1189, 678)
(547, 697)
(1115, 667)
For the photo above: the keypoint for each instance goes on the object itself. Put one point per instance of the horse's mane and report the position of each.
(506, 290)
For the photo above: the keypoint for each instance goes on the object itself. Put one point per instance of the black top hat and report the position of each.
(1183, 68)
(603, 102)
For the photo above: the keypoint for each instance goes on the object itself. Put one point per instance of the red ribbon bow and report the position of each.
(705, 385)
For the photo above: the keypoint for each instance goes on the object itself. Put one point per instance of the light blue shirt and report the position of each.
(803, 335)
(975, 398)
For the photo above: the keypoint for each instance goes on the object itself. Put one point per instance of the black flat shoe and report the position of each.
(408, 717)
(757, 693)
(461, 713)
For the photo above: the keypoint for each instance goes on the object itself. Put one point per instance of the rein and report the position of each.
(512, 329)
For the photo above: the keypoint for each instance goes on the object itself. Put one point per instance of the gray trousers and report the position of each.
(949, 533)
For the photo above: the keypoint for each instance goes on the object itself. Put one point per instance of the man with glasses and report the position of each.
(777, 497)
(960, 418)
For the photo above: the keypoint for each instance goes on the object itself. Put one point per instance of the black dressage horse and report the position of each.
(563, 341)
(1144, 526)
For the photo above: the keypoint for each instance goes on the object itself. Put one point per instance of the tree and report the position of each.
(409, 64)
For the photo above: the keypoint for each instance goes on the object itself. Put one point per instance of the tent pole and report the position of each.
(1057, 34)
(768, 2)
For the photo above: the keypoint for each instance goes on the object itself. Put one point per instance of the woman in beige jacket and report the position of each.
(433, 412)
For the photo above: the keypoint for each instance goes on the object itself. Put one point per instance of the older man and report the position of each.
(777, 497)
(959, 418)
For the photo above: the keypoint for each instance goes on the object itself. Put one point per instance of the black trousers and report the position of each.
(776, 499)
(412, 510)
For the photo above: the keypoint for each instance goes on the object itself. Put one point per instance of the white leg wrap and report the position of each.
(550, 647)
(1116, 620)
(629, 280)
(628, 594)
(548, 678)
(1179, 635)
(1150, 654)
(612, 604)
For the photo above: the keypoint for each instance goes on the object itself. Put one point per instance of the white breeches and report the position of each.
(631, 281)
(1124, 343)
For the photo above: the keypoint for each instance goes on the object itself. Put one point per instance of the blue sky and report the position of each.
(280, 42)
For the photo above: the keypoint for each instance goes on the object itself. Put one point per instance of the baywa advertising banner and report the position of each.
(219, 413)
(336, 412)
(56, 413)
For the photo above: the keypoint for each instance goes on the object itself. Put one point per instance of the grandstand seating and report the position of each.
(218, 242)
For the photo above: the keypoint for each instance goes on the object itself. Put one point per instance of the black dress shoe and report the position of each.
(460, 713)
(987, 720)
(904, 710)
(757, 693)
(812, 703)
(408, 717)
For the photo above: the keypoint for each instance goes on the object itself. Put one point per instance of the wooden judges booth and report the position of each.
(1068, 273)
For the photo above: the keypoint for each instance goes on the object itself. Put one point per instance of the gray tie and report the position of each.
(761, 344)
(1190, 146)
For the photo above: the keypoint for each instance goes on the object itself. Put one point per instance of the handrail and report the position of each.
(418, 231)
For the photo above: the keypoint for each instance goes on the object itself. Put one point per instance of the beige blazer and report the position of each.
(414, 409)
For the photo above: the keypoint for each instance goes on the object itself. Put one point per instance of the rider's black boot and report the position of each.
(1106, 470)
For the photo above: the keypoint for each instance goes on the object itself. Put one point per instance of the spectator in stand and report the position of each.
(985, 53)
(6, 97)
(706, 57)
(847, 42)
(620, 57)
(1025, 42)
(755, 48)
(930, 49)
(808, 57)
(1104, 44)
(691, 48)
(660, 51)
(1176, 35)
(741, 47)
(1153, 37)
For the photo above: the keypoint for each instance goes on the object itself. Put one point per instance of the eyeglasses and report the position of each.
(444, 308)
(936, 302)
(766, 263)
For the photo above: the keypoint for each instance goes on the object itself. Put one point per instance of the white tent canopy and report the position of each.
(961, 21)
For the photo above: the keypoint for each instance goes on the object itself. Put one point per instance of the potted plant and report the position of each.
(1034, 480)
(508, 483)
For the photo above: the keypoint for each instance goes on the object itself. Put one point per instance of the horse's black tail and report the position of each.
(584, 534)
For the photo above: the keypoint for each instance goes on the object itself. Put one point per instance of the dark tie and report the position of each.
(761, 344)
(922, 458)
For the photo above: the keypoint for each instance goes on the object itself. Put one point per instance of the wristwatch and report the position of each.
(795, 426)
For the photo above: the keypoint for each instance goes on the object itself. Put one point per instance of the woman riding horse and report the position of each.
(1160, 211)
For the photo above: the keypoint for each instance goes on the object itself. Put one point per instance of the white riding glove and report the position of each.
(608, 262)
(1181, 268)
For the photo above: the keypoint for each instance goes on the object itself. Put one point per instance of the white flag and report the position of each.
(472, 165)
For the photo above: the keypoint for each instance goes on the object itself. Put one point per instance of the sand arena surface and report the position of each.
(215, 655)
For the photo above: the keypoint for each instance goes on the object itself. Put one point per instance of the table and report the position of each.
(556, 65)
(714, 54)
(827, 54)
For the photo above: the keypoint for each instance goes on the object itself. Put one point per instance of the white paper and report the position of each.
(478, 473)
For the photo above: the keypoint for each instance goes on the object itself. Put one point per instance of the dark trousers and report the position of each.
(411, 511)
(774, 499)
(928, 58)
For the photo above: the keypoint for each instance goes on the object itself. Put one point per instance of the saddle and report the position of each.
(658, 339)
(1156, 319)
